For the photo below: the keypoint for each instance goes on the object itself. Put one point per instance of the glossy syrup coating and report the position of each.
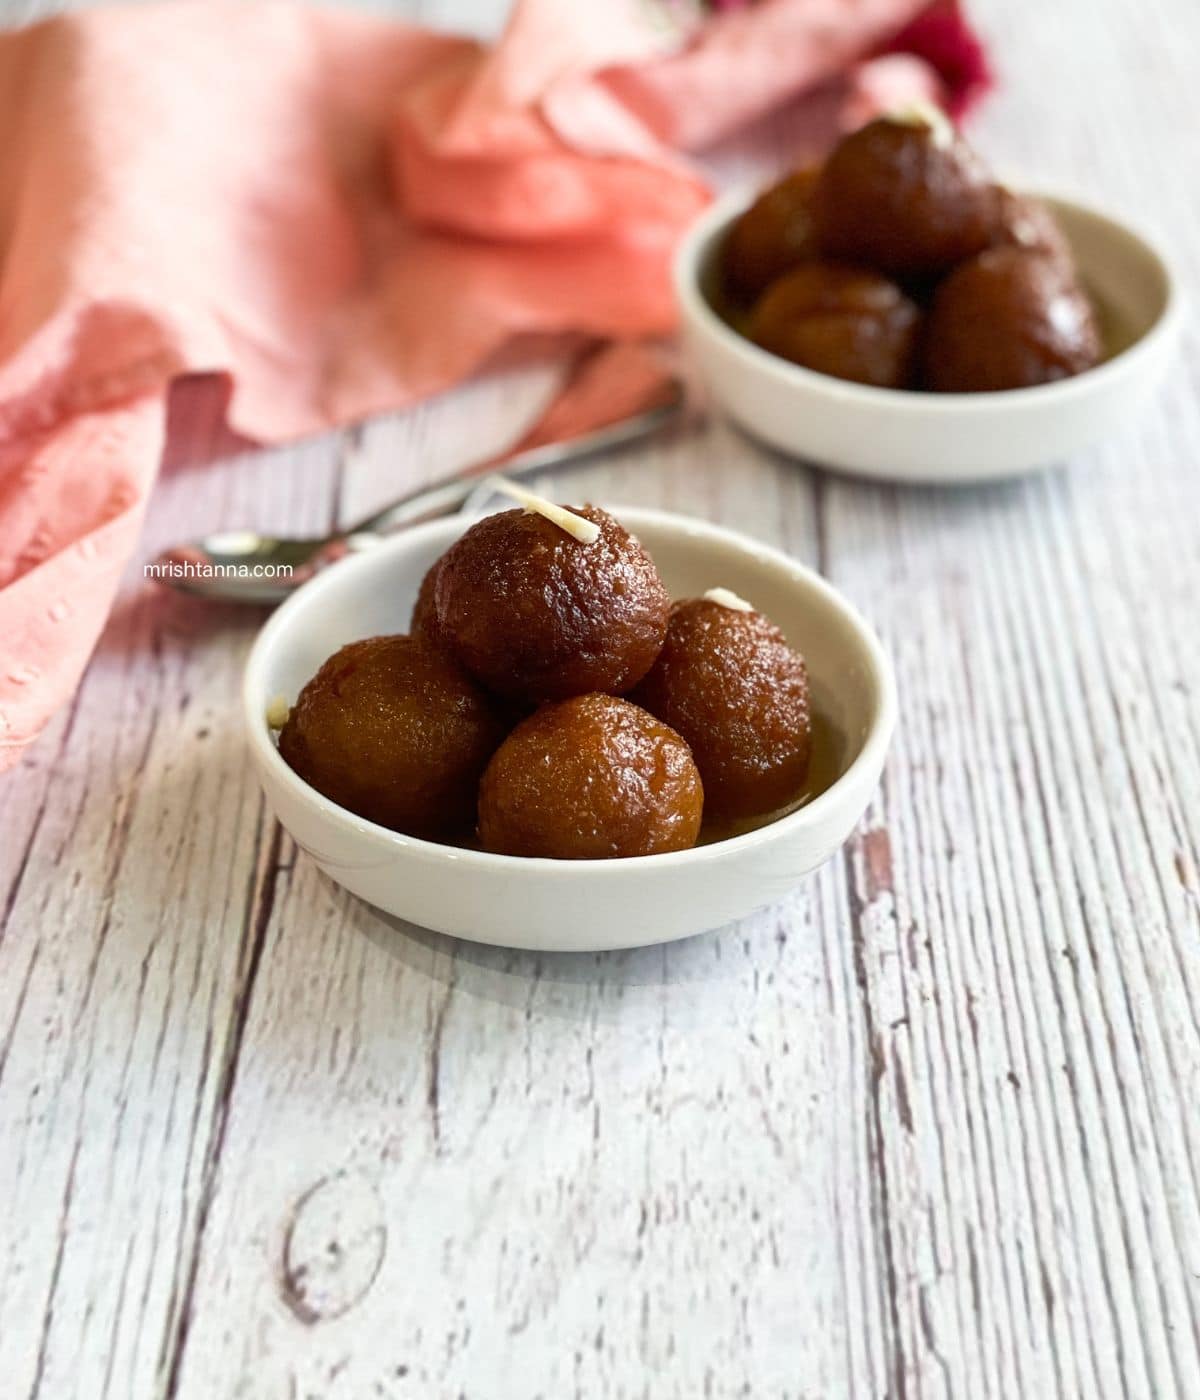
(1008, 319)
(908, 199)
(770, 237)
(1025, 222)
(538, 615)
(730, 684)
(590, 778)
(839, 320)
(392, 729)
(424, 622)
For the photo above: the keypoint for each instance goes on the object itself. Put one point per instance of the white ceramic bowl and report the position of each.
(909, 436)
(578, 905)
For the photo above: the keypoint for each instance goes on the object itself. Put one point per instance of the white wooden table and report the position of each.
(929, 1128)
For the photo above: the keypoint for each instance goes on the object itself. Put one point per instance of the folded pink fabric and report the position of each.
(341, 214)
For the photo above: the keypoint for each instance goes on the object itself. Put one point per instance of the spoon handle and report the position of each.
(429, 502)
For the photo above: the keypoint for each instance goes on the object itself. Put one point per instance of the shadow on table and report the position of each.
(509, 975)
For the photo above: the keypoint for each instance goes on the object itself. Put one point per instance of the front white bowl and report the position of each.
(911, 436)
(578, 905)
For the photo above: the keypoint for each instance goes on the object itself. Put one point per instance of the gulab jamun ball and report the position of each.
(904, 195)
(1008, 319)
(538, 615)
(770, 237)
(839, 320)
(727, 681)
(392, 729)
(590, 778)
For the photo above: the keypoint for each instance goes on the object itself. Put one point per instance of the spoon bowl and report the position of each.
(243, 566)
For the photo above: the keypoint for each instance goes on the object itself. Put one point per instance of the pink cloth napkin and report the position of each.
(340, 214)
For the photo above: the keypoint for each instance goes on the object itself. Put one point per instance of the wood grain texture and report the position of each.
(928, 1128)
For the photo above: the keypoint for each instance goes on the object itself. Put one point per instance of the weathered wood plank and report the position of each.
(1005, 1010)
(128, 949)
(575, 1148)
(927, 1128)
(1039, 943)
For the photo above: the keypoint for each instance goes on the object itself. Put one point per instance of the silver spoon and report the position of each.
(229, 565)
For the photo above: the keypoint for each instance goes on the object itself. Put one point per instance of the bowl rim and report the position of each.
(697, 308)
(867, 761)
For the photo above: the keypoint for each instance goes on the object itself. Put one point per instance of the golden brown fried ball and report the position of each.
(537, 615)
(393, 730)
(907, 198)
(1008, 319)
(770, 237)
(730, 684)
(590, 778)
(841, 321)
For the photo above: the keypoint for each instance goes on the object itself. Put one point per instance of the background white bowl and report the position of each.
(577, 905)
(912, 436)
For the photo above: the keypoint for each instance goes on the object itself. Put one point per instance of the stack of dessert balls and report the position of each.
(899, 262)
(549, 700)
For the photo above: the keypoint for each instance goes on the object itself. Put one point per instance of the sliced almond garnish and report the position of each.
(925, 114)
(277, 712)
(585, 531)
(727, 598)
